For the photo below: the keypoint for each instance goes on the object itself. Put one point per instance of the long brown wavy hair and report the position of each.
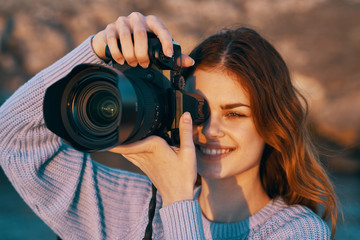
(290, 166)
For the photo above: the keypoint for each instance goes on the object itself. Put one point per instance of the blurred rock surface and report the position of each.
(319, 39)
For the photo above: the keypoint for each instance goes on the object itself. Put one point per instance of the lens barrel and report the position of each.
(99, 107)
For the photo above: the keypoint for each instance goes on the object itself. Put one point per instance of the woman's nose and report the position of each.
(213, 127)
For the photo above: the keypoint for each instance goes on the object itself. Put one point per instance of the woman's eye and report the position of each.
(234, 115)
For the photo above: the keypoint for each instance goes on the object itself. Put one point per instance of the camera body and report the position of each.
(96, 107)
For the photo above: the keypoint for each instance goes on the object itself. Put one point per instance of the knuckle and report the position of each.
(121, 19)
(111, 38)
(135, 15)
(187, 150)
(188, 146)
(140, 34)
(156, 141)
(186, 130)
(152, 18)
(110, 28)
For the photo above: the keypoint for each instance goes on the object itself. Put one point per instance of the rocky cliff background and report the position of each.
(319, 39)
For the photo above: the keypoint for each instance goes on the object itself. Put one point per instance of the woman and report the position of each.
(260, 178)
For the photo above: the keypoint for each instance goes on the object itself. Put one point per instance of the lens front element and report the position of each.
(102, 108)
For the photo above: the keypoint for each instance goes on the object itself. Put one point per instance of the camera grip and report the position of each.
(156, 54)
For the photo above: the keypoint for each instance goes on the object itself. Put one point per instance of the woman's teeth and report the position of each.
(213, 151)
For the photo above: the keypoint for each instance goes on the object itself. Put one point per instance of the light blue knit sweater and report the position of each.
(81, 199)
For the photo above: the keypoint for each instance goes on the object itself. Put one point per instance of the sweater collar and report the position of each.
(242, 228)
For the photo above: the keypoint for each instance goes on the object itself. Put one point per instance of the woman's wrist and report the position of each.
(177, 197)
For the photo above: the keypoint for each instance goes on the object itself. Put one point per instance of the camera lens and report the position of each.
(102, 108)
(96, 108)
(99, 108)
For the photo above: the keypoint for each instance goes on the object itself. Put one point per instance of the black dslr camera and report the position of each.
(95, 107)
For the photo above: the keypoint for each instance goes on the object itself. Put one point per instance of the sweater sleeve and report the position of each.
(182, 220)
(76, 197)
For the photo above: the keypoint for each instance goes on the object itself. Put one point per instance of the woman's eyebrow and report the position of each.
(234, 105)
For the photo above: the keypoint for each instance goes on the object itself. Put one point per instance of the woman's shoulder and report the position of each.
(292, 222)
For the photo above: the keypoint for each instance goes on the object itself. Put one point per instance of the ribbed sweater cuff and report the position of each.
(182, 220)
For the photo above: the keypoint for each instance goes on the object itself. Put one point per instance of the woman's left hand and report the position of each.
(172, 170)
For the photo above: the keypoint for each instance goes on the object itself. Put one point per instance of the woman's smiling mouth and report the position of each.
(214, 151)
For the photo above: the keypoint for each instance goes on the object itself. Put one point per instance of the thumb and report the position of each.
(186, 133)
(187, 154)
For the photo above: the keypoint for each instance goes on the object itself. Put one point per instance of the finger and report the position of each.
(111, 40)
(132, 148)
(147, 145)
(141, 48)
(162, 33)
(127, 47)
(185, 61)
(140, 39)
(186, 135)
(98, 44)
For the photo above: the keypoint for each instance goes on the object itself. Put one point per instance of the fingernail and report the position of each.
(120, 61)
(144, 65)
(169, 52)
(133, 64)
(186, 117)
(193, 62)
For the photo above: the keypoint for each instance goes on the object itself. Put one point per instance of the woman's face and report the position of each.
(227, 144)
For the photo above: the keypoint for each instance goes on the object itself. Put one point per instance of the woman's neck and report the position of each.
(231, 199)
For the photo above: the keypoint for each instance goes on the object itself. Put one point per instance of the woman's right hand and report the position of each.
(136, 52)
(172, 170)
